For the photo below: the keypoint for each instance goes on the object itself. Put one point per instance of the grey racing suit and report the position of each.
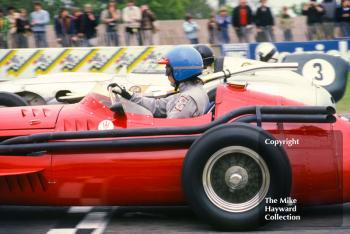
(191, 101)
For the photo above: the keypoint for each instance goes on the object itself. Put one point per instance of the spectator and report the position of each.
(264, 22)
(242, 18)
(4, 27)
(64, 28)
(191, 29)
(110, 18)
(76, 16)
(213, 29)
(313, 12)
(286, 24)
(223, 21)
(343, 18)
(147, 25)
(23, 28)
(132, 19)
(88, 24)
(39, 19)
(12, 17)
(329, 18)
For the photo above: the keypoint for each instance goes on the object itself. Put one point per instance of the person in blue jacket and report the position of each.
(64, 28)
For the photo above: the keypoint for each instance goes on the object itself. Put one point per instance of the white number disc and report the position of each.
(320, 71)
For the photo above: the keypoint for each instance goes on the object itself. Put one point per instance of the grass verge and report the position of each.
(343, 106)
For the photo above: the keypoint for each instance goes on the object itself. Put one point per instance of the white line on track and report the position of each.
(92, 220)
(80, 209)
(97, 221)
(103, 225)
(62, 231)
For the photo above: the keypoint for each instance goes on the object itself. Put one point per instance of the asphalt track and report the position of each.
(97, 220)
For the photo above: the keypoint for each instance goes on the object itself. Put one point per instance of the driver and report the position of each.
(267, 52)
(183, 66)
(207, 57)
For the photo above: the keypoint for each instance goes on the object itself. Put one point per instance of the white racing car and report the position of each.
(277, 79)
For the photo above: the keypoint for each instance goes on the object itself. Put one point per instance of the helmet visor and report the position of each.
(163, 61)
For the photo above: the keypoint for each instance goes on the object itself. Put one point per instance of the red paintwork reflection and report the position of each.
(125, 178)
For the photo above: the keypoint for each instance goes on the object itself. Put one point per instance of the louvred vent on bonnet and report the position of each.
(29, 117)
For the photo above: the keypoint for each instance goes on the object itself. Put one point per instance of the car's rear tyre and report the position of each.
(229, 171)
(10, 100)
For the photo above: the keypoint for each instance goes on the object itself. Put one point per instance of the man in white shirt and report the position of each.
(132, 19)
(39, 19)
(110, 17)
(191, 29)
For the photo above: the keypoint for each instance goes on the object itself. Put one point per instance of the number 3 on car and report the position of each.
(319, 71)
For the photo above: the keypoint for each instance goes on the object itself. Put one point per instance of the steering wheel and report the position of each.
(123, 105)
(117, 105)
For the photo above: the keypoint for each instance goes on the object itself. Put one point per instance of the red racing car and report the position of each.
(251, 150)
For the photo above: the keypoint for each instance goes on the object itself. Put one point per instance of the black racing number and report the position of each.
(319, 75)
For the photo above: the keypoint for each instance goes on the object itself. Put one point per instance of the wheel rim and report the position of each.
(236, 179)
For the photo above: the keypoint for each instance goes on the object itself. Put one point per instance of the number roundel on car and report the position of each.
(320, 71)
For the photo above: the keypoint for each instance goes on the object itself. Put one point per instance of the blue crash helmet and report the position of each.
(184, 61)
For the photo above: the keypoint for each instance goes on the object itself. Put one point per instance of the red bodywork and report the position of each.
(152, 176)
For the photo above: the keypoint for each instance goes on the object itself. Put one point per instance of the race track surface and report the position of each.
(85, 220)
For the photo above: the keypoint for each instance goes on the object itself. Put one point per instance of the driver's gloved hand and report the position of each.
(119, 90)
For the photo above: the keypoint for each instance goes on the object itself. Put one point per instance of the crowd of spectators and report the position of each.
(321, 19)
(78, 27)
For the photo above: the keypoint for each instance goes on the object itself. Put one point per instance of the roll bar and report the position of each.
(228, 73)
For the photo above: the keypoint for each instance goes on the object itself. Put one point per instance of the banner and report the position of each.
(28, 63)
(334, 47)
(240, 50)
